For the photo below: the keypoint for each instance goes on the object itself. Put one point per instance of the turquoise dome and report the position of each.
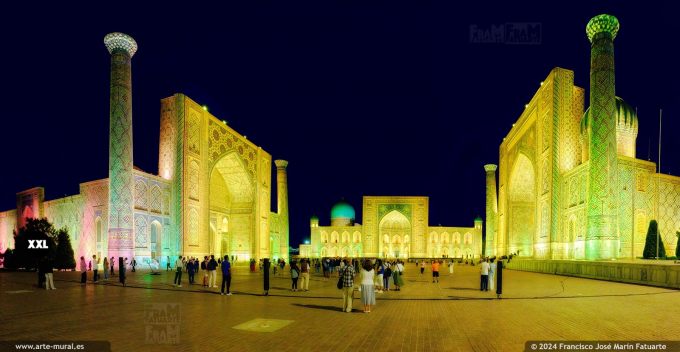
(314, 218)
(342, 210)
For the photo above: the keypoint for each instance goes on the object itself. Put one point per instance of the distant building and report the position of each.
(394, 227)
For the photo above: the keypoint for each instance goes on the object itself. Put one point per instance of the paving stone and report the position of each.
(452, 315)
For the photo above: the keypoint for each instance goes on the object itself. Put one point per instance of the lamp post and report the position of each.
(659, 183)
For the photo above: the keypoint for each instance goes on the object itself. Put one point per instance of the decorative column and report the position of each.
(121, 192)
(602, 235)
(282, 204)
(491, 210)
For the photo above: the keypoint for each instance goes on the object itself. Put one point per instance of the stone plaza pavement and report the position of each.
(424, 316)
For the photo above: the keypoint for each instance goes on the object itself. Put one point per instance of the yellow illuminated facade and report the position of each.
(212, 194)
(570, 185)
(394, 227)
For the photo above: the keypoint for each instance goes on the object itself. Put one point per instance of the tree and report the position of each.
(8, 260)
(28, 248)
(677, 246)
(65, 259)
(650, 243)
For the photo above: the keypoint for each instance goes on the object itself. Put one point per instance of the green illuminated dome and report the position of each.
(478, 218)
(314, 218)
(342, 210)
(626, 117)
(602, 23)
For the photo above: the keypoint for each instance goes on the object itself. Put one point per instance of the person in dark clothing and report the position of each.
(191, 269)
(134, 264)
(121, 271)
(41, 272)
(204, 267)
(111, 262)
(226, 276)
(83, 270)
(212, 271)
(294, 274)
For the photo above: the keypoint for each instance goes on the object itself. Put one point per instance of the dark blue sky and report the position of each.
(361, 99)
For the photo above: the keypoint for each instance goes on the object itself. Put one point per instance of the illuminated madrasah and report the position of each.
(393, 227)
(570, 185)
(212, 194)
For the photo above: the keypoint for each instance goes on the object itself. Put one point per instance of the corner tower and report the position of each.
(282, 204)
(601, 232)
(121, 193)
(491, 210)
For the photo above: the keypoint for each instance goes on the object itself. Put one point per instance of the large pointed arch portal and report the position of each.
(232, 208)
(522, 209)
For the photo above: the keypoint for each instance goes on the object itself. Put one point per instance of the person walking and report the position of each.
(83, 270)
(367, 287)
(111, 262)
(492, 273)
(226, 275)
(134, 264)
(167, 267)
(435, 271)
(304, 274)
(484, 270)
(212, 272)
(422, 268)
(106, 266)
(178, 274)
(294, 274)
(451, 267)
(347, 274)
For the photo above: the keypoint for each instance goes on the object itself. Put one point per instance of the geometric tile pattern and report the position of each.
(140, 231)
(141, 195)
(603, 183)
(120, 155)
(669, 213)
(222, 141)
(156, 200)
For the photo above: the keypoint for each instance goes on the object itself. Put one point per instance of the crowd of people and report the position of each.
(209, 266)
(369, 276)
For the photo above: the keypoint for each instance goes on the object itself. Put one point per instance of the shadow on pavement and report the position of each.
(316, 306)
(462, 288)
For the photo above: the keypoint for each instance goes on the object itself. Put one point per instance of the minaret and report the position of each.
(601, 233)
(491, 209)
(121, 240)
(282, 204)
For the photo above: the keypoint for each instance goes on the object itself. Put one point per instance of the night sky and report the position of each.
(362, 100)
